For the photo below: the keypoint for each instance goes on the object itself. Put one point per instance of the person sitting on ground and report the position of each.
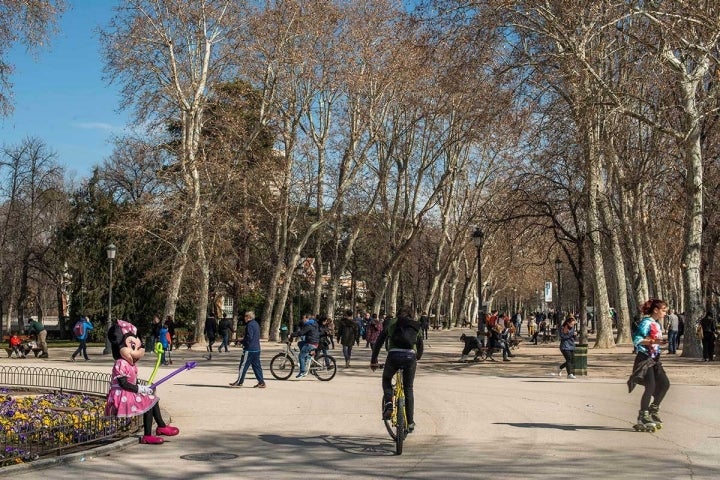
(471, 343)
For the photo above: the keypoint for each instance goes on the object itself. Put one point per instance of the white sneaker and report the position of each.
(571, 376)
(558, 369)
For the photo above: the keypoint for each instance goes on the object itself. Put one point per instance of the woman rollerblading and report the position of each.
(644, 422)
(648, 369)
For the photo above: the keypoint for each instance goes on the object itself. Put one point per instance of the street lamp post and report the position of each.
(478, 239)
(558, 267)
(110, 250)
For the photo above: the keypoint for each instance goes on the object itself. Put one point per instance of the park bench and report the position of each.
(24, 346)
(184, 337)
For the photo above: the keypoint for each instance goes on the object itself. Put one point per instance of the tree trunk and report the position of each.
(202, 301)
(176, 276)
(694, 305)
(621, 305)
(604, 337)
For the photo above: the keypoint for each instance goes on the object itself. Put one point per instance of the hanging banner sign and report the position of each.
(548, 292)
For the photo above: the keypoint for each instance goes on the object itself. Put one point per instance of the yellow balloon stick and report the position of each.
(158, 351)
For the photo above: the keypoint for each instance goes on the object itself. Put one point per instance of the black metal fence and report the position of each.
(66, 428)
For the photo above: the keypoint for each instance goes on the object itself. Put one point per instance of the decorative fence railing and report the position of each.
(57, 429)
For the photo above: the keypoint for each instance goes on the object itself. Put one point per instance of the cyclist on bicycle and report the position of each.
(404, 342)
(310, 332)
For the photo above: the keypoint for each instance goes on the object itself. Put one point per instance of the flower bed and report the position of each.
(33, 425)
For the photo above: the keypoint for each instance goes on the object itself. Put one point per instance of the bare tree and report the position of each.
(168, 55)
(34, 202)
(28, 22)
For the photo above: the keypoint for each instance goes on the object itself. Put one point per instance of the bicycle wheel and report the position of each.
(400, 427)
(324, 368)
(282, 366)
(390, 428)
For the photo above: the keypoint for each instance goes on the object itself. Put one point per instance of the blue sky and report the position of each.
(60, 96)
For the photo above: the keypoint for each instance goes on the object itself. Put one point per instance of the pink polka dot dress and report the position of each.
(123, 403)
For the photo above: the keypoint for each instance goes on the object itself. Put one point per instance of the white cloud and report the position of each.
(106, 127)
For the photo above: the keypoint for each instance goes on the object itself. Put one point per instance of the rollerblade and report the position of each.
(644, 422)
(654, 414)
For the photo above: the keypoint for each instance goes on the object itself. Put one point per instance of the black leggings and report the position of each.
(153, 413)
(708, 344)
(394, 361)
(656, 383)
(569, 364)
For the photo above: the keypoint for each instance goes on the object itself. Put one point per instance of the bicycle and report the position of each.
(322, 366)
(397, 424)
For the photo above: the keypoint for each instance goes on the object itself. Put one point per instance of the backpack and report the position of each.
(79, 329)
(405, 334)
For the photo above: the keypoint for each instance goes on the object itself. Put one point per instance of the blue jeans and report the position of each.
(251, 359)
(305, 355)
(672, 341)
(225, 341)
(82, 349)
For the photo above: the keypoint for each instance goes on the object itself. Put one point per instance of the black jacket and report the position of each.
(310, 330)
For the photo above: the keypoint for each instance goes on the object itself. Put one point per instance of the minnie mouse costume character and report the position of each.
(126, 398)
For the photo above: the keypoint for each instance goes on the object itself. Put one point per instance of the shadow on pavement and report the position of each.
(559, 426)
(353, 445)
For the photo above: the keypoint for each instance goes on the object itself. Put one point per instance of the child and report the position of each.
(164, 340)
(14, 343)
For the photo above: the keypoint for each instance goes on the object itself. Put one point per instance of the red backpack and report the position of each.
(79, 329)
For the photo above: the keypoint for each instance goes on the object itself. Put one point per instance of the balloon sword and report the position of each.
(187, 366)
(158, 351)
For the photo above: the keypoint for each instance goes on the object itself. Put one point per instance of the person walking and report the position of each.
(210, 331)
(38, 329)
(170, 325)
(81, 331)
(425, 324)
(709, 334)
(531, 327)
(226, 329)
(373, 329)
(251, 353)
(647, 369)
(672, 327)
(567, 346)
(348, 331)
(155, 330)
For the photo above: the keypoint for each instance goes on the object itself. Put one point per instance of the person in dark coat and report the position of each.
(251, 352)
(346, 335)
(210, 331)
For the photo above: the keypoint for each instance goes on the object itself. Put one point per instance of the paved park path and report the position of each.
(481, 420)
